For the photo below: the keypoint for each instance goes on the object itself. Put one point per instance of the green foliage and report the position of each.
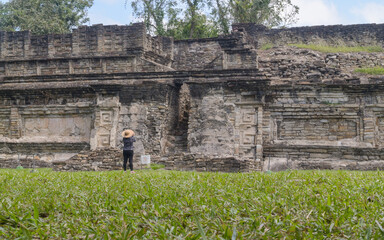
(155, 166)
(271, 13)
(178, 19)
(201, 26)
(153, 13)
(208, 18)
(339, 49)
(220, 11)
(43, 16)
(193, 20)
(266, 46)
(190, 205)
(371, 71)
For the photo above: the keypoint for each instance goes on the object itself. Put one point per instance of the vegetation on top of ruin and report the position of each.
(188, 19)
(339, 49)
(371, 71)
(43, 16)
(330, 49)
(185, 19)
(266, 46)
(191, 205)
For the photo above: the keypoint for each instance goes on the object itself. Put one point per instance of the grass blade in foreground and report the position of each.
(190, 205)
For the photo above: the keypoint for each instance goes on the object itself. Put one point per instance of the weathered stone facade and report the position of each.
(218, 104)
(351, 35)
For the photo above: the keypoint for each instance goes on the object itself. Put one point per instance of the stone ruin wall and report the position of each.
(88, 50)
(218, 104)
(235, 51)
(349, 35)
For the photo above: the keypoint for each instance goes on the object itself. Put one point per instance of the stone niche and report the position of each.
(323, 129)
(76, 128)
(51, 138)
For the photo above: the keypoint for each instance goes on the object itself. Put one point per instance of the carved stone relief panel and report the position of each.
(104, 140)
(75, 127)
(380, 132)
(106, 118)
(104, 124)
(15, 128)
(106, 121)
(246, 125)
(328, 129)
(374, 126)
(4, 126)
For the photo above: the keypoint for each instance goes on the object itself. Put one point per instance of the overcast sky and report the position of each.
(312, 12)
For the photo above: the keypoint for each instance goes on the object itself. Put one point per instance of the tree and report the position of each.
(179, 19)
(192, 15)
(207, 18)
(221, 14)
(43, 16)
(200, 27)
(271, 13)
(154, 13)
(196, 23)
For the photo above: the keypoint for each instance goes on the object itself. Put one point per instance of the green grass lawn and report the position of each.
(339, 49)
(189, 205)
(371, 71)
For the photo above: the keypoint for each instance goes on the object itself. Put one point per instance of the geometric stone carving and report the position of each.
(106, 118)
(246, 128)
(105, 123)
(247, 137)
(15, 123)
(380, 123)
(104, 140)
(248, 116)
(3, 127)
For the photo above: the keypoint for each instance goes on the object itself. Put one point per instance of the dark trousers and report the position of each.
(128, 154)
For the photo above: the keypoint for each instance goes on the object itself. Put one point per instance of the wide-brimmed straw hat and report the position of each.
(127, 133)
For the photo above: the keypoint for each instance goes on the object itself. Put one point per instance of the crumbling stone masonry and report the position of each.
(218, 104)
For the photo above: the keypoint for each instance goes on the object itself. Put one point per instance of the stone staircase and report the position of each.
(179, 141)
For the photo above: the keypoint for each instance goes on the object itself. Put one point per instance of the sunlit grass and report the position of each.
(266, 46)
(155, 166)
(339, 49)
(189, 205)
(371, 71)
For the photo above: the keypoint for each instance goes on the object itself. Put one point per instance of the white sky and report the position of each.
(328, 12)
(312, 12)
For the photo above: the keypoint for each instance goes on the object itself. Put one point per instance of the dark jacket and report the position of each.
(128, 143)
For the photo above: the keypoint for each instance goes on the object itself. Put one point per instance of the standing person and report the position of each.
(128, 139)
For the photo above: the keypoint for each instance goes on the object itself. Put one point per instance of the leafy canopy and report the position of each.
(208, 18)
(270, 13)
(43, 16)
